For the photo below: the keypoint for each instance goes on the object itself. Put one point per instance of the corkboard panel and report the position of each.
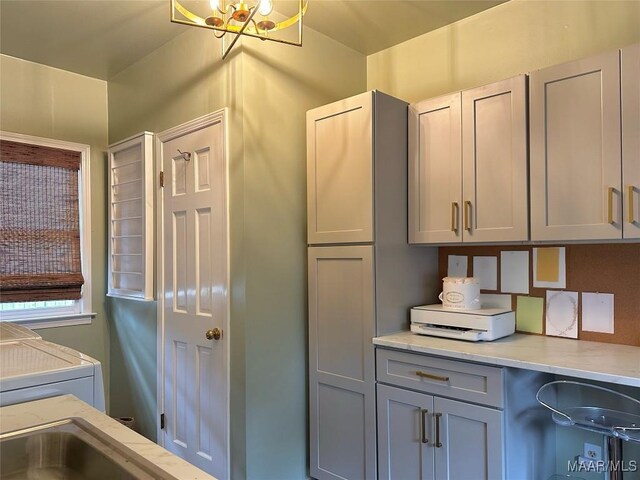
(611, 268)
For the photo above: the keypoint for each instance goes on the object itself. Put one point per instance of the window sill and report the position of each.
(62, 320)
(135, 298)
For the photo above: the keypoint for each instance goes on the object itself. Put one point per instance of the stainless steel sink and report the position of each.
(71, 449)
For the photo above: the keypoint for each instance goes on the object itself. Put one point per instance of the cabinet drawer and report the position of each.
(448, 378)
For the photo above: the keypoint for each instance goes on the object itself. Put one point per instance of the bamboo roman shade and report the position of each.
(39, 223)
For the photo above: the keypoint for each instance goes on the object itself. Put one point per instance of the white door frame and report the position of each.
(219, 116)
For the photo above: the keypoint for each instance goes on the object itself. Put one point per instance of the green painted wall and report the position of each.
(281, 84)
(267, 88)
(52, 103)
(512, 38)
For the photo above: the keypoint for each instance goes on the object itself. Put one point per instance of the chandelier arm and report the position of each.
(242, 29)
(228, 9)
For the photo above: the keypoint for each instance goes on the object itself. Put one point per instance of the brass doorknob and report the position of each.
(213, 334)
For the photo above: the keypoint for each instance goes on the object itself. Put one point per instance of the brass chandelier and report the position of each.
(253, 18)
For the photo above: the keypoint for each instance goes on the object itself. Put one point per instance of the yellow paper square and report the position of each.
(529, 314)
(548, 264)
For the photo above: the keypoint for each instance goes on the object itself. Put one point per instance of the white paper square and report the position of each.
(597, 312)
(514, 272)
(486, 270)
(495, 300)
(562, 271)
(562, 314)
(457, 266)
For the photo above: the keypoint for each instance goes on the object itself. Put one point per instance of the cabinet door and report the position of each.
(631, 140)
(575, 150)
(341, 362)
(494, 159)
(340, 171)
(435, 171)
(404, 433)
(470, 439)
(131, 238)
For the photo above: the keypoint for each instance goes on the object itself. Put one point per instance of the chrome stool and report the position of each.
(590, 407)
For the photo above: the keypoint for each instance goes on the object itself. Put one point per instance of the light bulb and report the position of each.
(215, 4)
(265, 7)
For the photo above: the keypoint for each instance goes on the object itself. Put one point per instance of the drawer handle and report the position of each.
(610, 192)
(438, 444)
(423, 425)
(432, 376)
(467, 215)
(630, 200)
(454, 216)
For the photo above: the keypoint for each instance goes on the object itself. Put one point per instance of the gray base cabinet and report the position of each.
(342, 386)
(403, 434)
(470, 442)
(431, 427)
(425, 437)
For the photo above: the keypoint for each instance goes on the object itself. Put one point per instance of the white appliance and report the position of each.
(31, 368)
(472, 325)
(12, 331)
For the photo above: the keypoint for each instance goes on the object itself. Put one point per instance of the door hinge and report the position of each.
(162, 179)
(162, 421)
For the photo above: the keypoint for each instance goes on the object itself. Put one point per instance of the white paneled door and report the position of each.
(194, 287)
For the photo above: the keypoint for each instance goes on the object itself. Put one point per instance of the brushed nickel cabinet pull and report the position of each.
(610, 209)
(630, 200)
(438, 444)
(454, 216)
(423, 425)
(467, 215)
(432, 376)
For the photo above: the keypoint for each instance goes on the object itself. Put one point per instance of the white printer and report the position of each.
(471, 325)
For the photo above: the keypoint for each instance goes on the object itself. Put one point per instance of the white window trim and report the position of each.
(81, 313)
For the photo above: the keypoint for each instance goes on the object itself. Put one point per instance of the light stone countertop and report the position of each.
(38, 412)
(603, 362)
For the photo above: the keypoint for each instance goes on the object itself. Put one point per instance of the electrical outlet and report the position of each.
(592, 452)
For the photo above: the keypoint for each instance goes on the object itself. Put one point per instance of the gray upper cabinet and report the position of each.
(576, 151)
(630, 58)
(494, 162)
(468, 166)
(340, 171)
(435, 170)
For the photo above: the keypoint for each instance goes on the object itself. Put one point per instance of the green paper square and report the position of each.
(529, 314)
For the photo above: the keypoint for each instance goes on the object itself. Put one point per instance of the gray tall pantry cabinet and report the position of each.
(363, 275)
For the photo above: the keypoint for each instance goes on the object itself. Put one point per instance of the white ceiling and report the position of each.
(100, 38)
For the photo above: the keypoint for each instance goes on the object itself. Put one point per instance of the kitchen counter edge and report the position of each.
(604, 362)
